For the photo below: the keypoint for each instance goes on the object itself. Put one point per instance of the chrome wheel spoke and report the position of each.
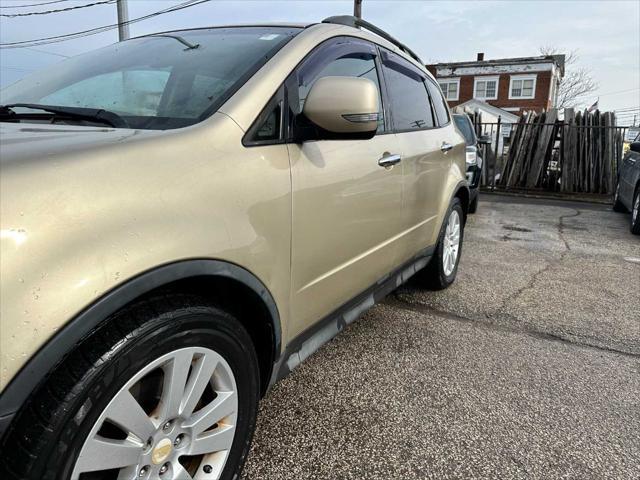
(224, 405)
(179, 472)
(219, 439)
(125, 411)
(200, 377)
(104, 454)
(176, 375)
(451, 243)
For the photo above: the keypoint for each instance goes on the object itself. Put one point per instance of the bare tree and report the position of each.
(577, 81)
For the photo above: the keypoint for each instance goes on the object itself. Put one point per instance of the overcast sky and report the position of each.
(606, 34)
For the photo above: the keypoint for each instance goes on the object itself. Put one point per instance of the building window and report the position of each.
(450, 88)
(522, 86)
(485, 88)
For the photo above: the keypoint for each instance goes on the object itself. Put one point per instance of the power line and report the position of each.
(17, 69)
(33, 4)
(47, 12)
(93, 31)
(620, 91)
(49, 53)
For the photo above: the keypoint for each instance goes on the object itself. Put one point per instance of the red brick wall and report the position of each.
(540, 102)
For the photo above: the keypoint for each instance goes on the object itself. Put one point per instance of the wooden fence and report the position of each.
(579, 154)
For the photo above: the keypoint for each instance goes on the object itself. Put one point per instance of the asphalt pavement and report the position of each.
(527, 367)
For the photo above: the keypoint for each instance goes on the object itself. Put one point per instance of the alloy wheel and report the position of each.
(174, 420)
(636, 207)
(451, 243)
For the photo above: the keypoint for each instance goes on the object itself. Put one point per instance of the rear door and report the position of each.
(346, 207)
(423, 147)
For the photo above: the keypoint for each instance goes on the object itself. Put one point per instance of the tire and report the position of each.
(618, 206)
(473, 206)
(436, 276)
(173, 338)
(635, 212)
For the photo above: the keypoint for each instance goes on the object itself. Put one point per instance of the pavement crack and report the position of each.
(396, 301)
(549, 264)
(561, 226)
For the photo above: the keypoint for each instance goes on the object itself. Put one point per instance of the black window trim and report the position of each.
(424, 77)
(449, 114)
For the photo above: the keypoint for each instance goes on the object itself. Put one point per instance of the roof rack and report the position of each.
(355, 22)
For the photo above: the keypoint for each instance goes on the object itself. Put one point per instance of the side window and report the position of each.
(410, 105)
(267, 128)
(345, 59)
(439, 103)
(270, 127)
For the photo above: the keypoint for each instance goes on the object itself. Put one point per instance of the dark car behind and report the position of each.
(627, 196)
(474, 160)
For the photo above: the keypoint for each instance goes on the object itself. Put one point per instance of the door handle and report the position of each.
(388, 161)
(446, 147)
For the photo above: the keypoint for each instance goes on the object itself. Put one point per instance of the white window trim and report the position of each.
(450, 80)
(485, 79)
(523, 77)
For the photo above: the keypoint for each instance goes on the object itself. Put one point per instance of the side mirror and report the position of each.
(635, 147)
(484, 140)
(346, 106)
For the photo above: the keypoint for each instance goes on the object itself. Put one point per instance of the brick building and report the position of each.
(512, 84)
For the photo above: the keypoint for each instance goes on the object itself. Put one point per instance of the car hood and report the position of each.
(21, 142)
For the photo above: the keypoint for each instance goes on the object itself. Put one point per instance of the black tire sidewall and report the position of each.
(209, 328)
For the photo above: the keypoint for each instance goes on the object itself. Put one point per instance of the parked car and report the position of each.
(627, 196)
(187, 216)
(473, 156)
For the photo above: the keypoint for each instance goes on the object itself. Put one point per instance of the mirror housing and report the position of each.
(343, 107)
(484, 140)
(635, 147)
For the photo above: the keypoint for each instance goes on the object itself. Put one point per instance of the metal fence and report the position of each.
(552, 156)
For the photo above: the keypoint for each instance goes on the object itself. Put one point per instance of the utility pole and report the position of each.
(123, 18)
(357, 8)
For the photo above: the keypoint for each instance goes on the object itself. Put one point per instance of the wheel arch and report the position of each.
(222, 282)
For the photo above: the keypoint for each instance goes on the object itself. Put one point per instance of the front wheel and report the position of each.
(160, 392)
(441, 271)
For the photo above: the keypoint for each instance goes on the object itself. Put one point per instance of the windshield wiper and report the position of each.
(90, 114)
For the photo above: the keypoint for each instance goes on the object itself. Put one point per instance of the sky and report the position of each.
(605, 34)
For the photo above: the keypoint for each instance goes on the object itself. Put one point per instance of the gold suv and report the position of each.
(187, 216)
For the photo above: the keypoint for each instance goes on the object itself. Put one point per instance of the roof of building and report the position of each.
(475, 104)
(559, 60)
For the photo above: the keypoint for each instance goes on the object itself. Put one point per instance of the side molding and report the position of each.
(36, 369)
(305, 344)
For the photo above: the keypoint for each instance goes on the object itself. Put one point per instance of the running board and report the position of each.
(309, 341)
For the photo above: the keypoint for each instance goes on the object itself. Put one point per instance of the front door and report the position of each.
(424, 147)
(346, 207)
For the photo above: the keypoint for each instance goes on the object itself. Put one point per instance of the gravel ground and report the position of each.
(527, 367)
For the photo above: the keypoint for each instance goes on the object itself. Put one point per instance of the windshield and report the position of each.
(162, 81)
(464, 125)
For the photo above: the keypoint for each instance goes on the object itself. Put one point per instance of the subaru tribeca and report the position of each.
(187, 216)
